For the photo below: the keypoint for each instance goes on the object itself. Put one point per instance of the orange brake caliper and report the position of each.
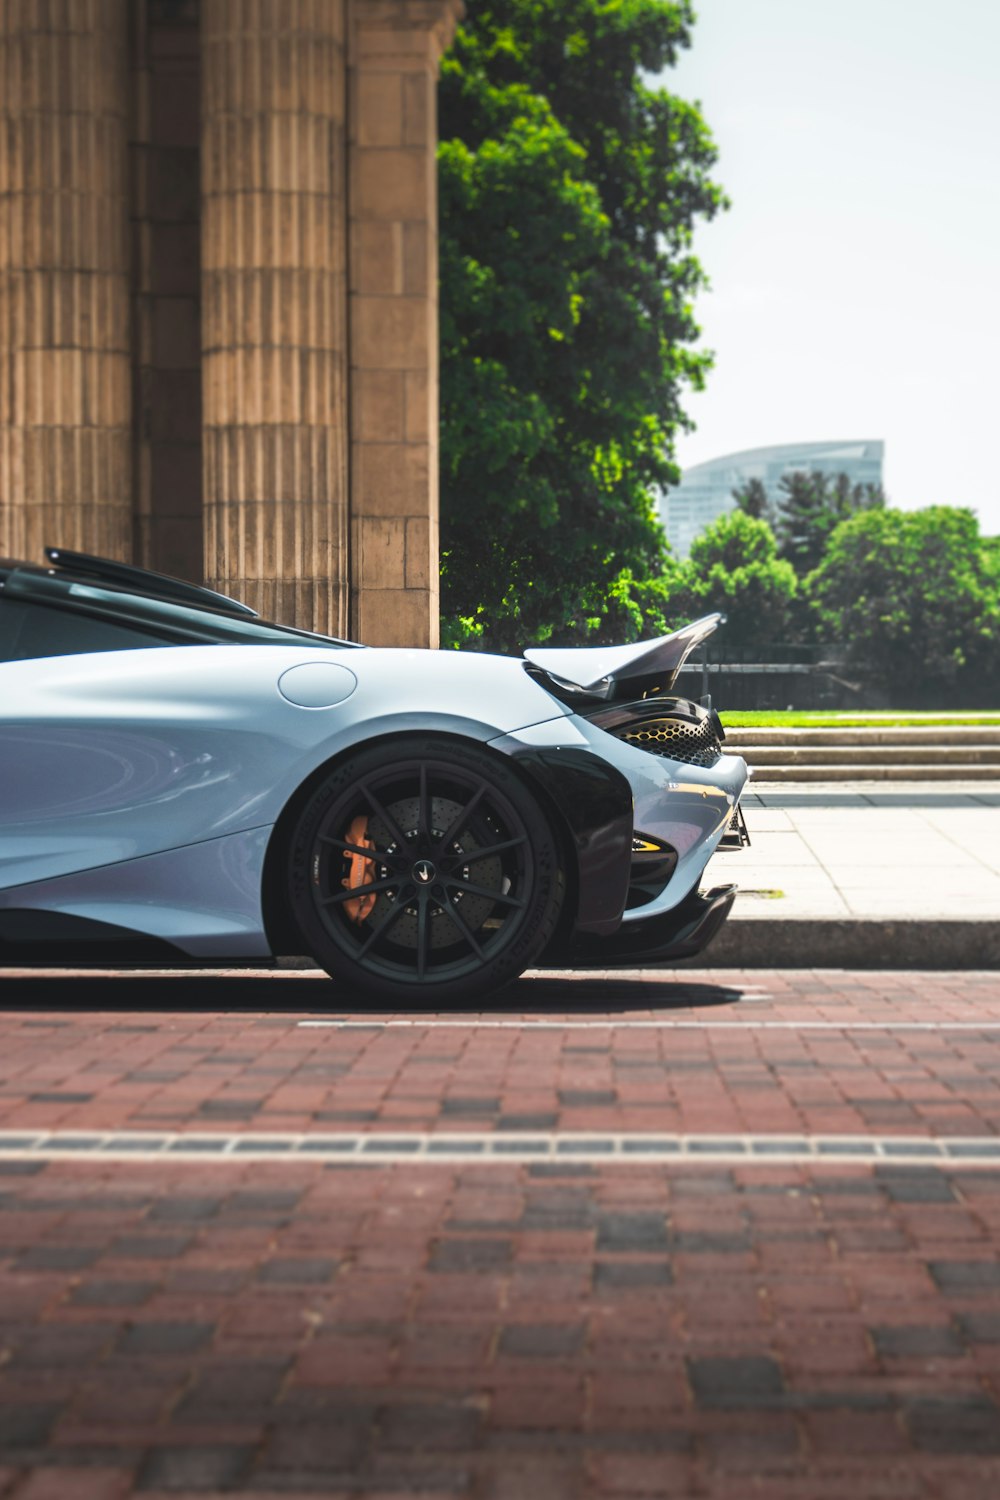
(361, 872)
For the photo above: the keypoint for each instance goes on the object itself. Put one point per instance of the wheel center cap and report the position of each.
(424, 872)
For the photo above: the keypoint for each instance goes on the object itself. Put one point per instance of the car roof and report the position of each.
(143, 581)
(104, 587)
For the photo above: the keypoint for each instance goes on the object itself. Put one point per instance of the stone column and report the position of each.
(166, 319)
(274, 307)
(65, 439)
(395, 48)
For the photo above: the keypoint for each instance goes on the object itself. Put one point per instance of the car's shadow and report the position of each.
(308, 994)
(549, 994)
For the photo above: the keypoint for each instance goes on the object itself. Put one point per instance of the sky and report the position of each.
(854, 281)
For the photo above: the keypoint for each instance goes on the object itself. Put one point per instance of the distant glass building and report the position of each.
(706, 490)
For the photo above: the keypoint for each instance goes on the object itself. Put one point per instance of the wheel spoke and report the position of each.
(464, 928)
(350, 893)
(392, 915)
(481, 890)
(463, 816)
(423, 810)
(473, 855)
(397, 837)
(423, 932)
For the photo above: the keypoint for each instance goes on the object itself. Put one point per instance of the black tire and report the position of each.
(461, 890)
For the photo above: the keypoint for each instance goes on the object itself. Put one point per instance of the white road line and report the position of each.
(487, 1023)
(447, 1148)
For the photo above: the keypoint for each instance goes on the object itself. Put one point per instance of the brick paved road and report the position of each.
(582, 1324)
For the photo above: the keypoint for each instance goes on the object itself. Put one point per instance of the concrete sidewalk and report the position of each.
(856, 874)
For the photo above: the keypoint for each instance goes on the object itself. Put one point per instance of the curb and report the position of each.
(853, 943)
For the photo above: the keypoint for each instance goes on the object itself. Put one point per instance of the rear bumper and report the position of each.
(683, 932)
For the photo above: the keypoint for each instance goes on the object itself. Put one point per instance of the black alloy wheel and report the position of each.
(423, 869)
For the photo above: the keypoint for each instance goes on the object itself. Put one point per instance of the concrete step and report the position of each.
(885, 755)
(776, 942)
(869, 771)
(952, 734)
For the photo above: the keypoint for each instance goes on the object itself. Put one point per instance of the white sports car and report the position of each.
(425, 824)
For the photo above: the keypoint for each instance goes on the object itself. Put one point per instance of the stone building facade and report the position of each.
(218, 297)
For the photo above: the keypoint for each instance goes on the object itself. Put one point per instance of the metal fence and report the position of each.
(773, 676)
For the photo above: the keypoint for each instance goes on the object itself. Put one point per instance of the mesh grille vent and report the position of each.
(694, 744)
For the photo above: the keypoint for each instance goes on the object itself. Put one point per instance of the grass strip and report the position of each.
(876, 719)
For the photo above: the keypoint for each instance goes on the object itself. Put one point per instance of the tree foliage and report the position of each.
(911, 595)
(752, 498)
(991, 557)
(811, 506)
(734, 567)
(569, 189)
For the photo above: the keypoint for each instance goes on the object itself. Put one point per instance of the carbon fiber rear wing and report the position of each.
(616, 672)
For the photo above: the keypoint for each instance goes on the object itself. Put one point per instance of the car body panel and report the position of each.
(203, 899)
(123, 754)
(593, 801)
(684, 806)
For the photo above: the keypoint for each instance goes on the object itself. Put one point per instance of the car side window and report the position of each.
(29, 630)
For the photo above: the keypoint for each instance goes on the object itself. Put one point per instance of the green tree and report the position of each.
(811, 506)
(734, 567)
(911, 596)
(991, 557)
(752, 498)
(569, 188)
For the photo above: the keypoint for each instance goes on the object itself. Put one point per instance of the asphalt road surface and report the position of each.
(635, 1235)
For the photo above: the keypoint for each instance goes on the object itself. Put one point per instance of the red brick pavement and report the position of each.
(223, 1069)
(561, 1331)
(483, 1332)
